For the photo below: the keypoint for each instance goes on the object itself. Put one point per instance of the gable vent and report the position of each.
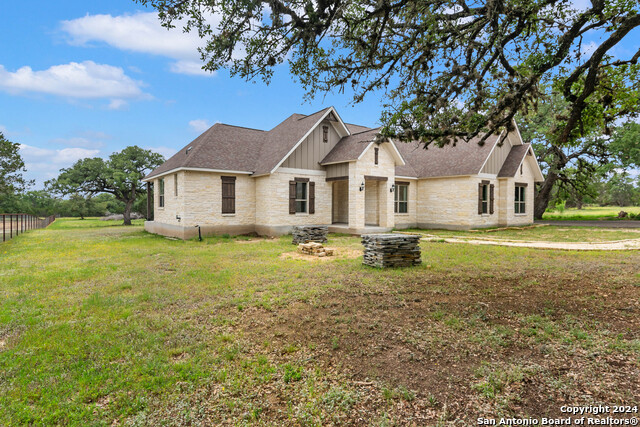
(188, 149)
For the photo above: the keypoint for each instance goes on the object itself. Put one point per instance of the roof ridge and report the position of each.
(313, 114)
(364, 131)
(241, 127)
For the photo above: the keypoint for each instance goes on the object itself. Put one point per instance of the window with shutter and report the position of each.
(228, 194)
(302, 196)
(483, 197)
(376, 152)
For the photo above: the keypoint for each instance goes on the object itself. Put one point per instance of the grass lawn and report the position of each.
(590, 213)
(107, 325)
(544, 233)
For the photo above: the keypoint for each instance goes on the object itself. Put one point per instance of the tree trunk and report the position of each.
(579, 202)
(127, 212)
(544, 195)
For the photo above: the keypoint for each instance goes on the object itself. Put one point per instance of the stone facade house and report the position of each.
(316, 169)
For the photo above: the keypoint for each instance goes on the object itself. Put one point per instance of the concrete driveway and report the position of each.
(595, 223)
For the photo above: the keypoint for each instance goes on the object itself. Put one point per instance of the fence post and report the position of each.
(3, 235)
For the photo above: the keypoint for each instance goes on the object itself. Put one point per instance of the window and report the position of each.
(520, 202)
(302, 196)
(228, 194)
(325, 133)
(401, 198)
(161, 193)
(175, 185)
(520, 168)
(485, 198)
(376, 151)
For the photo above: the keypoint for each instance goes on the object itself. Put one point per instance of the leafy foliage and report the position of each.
(11, 168)
(450, 68)
(121, 176)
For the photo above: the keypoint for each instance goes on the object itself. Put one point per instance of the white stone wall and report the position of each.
(172, 205)
(272, 200)
(527, 177)
(366, 166)
(406, 220)
(203, 200)
(453, 202)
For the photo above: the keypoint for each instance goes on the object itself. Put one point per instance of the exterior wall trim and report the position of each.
(375, 178)
(150, 179)
(300, 171)
(337, 178)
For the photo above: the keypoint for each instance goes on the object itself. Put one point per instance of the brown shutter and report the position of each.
(480, 199)
(376, 155)
(292, 197)
(312, 197)
(491, 190)
(228, 194)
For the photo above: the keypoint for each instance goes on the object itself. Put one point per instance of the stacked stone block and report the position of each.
(316, 249)
(310, 233)
(391, 250)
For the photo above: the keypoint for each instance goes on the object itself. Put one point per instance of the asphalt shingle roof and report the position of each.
(513, 160)
(232, 148)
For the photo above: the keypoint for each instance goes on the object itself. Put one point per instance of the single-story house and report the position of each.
(316, 169)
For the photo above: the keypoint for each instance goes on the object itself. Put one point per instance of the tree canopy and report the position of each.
(121, 175)
(450, 69)
(11, 167)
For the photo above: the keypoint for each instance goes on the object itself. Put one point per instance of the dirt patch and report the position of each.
(465, 348)
(340, 253)
(620, 245)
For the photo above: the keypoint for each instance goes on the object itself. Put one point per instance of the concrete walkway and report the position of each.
(595, 223)
(619, 245)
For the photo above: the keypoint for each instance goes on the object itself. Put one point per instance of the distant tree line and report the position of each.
(90, 187)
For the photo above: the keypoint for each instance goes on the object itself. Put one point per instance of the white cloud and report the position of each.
(79, 141)
(143, 33)
(65, 156)
(199, 125)
(74, 80)
(118, 104)
(192, 68)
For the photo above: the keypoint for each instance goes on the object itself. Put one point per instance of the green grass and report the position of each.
(590, 213)
(102, 323)
(544, 233)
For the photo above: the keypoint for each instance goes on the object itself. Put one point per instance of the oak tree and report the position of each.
(120, 175)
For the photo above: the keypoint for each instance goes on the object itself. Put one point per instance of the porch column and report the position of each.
(356, 199)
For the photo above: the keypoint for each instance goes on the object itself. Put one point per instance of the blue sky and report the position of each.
(86, 78)
(95, 84)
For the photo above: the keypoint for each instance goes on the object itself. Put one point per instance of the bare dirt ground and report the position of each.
(458, 348)
(629, 244)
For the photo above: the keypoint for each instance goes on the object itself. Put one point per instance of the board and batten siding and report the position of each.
(497, 158)
(338, 170)
(312, 150)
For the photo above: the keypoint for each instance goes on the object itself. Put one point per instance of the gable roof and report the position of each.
(283, 138)
(465, 158)
(221, 147)
(514, 159)
(350, 147)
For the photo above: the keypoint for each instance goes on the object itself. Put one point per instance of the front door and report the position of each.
(371, 212)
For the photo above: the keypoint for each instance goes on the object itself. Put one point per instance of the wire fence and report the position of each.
(13, 225)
